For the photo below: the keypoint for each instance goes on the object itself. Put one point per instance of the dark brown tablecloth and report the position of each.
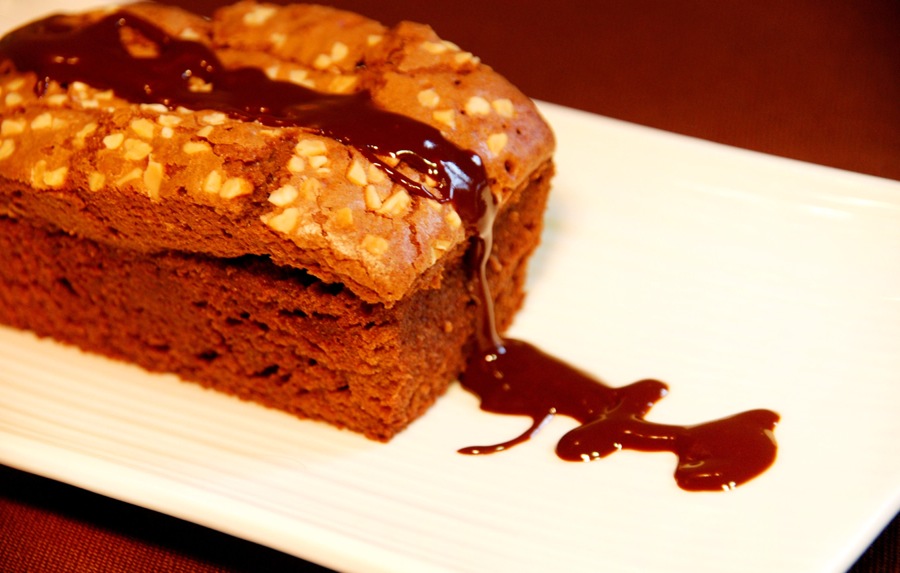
(816, 80)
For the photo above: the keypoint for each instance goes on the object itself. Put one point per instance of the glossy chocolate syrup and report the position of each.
(95, 54)
(711, 456)
(510, 376)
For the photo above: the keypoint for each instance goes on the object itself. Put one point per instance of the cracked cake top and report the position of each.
(183, 174)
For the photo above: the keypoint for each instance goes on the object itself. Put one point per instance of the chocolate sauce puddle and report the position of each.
(521, 379)
(509, 376)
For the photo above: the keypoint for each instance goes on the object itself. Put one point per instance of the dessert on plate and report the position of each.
(287, 204)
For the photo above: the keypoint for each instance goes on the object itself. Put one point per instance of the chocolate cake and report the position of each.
(287, 204)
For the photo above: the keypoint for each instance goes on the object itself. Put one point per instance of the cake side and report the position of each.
(150, 179)
(274, 335)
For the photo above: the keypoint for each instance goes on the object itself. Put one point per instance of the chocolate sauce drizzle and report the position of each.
(520, 379)
(509, 376)
(96, 54)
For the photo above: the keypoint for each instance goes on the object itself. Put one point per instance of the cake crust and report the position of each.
(147, 178)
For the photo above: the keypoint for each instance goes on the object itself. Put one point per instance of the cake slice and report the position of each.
(280, 203)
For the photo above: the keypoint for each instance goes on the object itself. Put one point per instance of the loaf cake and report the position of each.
(316, 251)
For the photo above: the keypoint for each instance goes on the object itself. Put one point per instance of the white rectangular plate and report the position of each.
(742, 280)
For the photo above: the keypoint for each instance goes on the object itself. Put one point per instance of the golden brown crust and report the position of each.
(152, 179)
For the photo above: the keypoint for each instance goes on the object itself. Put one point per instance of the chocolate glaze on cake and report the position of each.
(61, 52)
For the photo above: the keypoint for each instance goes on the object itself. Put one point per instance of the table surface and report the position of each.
(814, 80)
